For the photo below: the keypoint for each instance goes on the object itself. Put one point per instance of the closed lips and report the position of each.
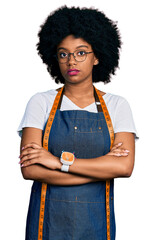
(73, 70)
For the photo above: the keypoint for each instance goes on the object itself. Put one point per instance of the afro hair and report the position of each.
(87, 23)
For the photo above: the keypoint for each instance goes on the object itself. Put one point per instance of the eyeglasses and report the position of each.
(79, 56)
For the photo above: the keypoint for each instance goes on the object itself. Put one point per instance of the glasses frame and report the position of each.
(69, 54)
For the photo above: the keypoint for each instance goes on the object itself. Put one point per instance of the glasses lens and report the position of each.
(62, 57)
(80, 55)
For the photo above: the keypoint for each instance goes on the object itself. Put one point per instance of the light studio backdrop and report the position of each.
(23, 75)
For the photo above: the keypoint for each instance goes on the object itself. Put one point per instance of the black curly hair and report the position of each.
(87, 23)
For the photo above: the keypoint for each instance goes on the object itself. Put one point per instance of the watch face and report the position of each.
(67, 156)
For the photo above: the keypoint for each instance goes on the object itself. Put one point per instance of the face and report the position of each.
(76, 71)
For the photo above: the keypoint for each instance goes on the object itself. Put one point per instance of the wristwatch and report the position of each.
(67, 158)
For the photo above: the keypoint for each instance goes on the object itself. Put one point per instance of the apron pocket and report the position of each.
(91, 221)
(59, 220)
(74, 220)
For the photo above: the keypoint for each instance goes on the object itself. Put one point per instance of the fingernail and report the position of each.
(118, 154)
(125, 154)
(22, 165)
(119, 144)
(22, 148)
(127, 151)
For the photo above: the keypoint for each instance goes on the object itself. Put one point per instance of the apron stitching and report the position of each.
(56, 200)
(74, 218)
(80, 118)
(89, 132)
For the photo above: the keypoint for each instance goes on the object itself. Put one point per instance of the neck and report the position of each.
(79, 90)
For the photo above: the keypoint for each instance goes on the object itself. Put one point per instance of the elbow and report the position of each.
(126, 167)
(26, 173)
(128, 171)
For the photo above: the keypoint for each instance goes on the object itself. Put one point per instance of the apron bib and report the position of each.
(81, 212)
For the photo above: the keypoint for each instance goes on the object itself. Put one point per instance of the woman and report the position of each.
(72, 194)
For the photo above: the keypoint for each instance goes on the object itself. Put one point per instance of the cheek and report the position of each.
(62, 69)
(88, 66)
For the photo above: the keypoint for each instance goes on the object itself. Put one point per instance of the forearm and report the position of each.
(104, 167)
(109, 166)
(43, 174)
(82, 170)
(54, 177)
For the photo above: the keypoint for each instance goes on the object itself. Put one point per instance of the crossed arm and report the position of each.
(39, 164)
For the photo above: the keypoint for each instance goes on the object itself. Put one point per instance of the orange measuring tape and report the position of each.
(45, 145)
(111, 133)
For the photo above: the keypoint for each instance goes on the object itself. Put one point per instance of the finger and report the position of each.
(113, 154)
(120, 150)
(28, 163)
(33, 158)
(116, 146)
(31, 145)
(28, 151)
(121, 154)
(118, 154)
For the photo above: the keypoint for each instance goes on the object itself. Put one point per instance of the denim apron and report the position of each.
(75, 212)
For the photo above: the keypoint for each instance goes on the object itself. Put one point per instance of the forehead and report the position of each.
(71, 43)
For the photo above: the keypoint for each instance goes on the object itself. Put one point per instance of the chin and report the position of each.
(73, 79)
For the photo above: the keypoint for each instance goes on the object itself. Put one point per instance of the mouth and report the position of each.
(72, 72)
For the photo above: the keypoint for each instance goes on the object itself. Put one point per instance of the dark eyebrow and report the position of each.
(82, 46)
(76, 47)
(61, 48)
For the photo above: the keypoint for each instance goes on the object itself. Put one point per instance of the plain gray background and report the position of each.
(23, 74)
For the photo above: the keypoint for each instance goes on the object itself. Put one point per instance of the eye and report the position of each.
(81, 53)
(62, 55)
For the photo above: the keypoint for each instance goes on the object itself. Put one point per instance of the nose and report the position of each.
(71, 59)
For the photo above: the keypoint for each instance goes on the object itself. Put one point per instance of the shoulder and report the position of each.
(112, 98)
(43, 98)
(118, 106)
(45, 95)
(114, 101)
(41, 102)
(37, 110)
(120, 113)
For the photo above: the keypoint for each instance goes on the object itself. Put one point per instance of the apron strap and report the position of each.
(45, 145)
(97, 101)
(59, 105)
(111, 134)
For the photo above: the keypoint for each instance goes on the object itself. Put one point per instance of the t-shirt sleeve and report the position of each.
(34, 115)
(123, 118)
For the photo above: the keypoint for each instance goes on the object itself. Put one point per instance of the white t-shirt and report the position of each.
(39, 107)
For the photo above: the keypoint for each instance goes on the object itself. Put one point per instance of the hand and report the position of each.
(117, 151)
(35, 154)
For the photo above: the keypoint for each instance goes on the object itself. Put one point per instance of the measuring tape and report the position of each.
(45, 145)
(111, 133)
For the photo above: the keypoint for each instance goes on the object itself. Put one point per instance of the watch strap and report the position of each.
(65, 168)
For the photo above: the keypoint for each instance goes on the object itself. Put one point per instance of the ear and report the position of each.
(96, 61)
